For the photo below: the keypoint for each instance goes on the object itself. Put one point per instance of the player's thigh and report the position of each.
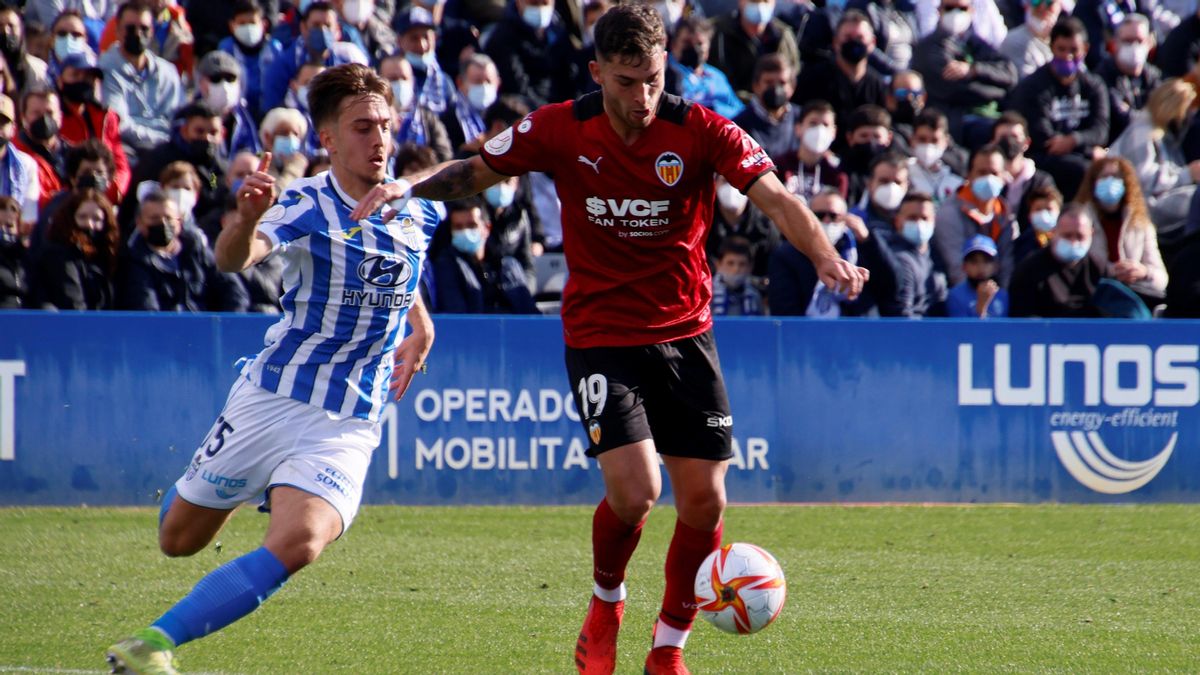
(187, 528)
(608, 384)
(302, 525)
(632, 480)
(699, 489)
(688, 411)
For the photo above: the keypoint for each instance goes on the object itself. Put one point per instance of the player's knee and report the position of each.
(299, 553)
(703, 513)
(176, 546)
(632, 507)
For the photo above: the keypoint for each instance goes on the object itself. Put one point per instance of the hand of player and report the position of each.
(257, 192)
(410, 358)
(842, 277)
(384, 193)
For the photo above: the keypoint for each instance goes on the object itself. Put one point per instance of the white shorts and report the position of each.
(262, 440)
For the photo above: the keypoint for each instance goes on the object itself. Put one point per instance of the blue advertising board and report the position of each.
(107, 409)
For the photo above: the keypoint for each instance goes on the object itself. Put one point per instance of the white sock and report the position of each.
(610, 594)
(669, 636)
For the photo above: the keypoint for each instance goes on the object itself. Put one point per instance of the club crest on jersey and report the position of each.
(669, 167)
(594, 431)
(384, 271)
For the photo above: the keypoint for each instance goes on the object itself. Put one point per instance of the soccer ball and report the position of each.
(740, 588)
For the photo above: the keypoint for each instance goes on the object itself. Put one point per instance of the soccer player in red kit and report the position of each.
(634, 172)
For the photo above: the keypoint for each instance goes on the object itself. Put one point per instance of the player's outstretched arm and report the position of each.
(414, 349)
(444, 182)
(241, 245)
(800, 227)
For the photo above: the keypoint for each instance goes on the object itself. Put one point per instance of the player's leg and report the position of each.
(185, 528)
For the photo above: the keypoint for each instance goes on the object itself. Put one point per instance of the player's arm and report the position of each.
(413, 349)
(241, 245)
(444, 182)
(800, 227)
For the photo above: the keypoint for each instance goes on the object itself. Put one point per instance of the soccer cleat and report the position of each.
(596, 649)
(665, 661)
(141, 654)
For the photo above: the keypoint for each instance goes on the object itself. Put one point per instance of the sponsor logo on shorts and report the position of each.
(669, 167)
(594, 431)
(335, 479)
(718, 422)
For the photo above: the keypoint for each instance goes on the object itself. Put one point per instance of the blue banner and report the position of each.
(107, 409)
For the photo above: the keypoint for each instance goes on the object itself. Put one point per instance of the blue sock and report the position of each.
(168, 497)
(228, 593)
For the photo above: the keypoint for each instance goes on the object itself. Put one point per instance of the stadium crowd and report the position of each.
(982, 158)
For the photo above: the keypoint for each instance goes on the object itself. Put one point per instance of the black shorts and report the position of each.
(672, 393)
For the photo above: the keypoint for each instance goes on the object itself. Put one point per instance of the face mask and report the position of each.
(733, 281)
(420, 61)
(481, 95)
(248, 34)
(302, 97)
(670, 13)
(917, 232)
(928, 154)
(160, 235)
(467, 241)
(9, 238)
(906, 112)
(759, 13)
(1132, 57)
(853, 51)
(817, 138)
(3, 143)
(98, 181)
(223, 96)
(10, 43)
(1109, 191)
(402, 92)
(184, 198)
(43, 128)
(1011, 148)
(1065, 68)
(319, 41)
(1036, 25)
(65, 45)
(538, 18)
(1070, 252)
(987, 188)
(859, 155)
(202, 152)
(79, 92)
(689, 57)
(834, 231)
(500, 195)
(956, 22)
(775, 97)
(356, 12)
(888, 196)
(730, 198)
(1043, 221)
(285, 146)
(135, 43)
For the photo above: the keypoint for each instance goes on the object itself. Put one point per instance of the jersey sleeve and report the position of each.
(289, 219)
(528, 145)
(735, 154)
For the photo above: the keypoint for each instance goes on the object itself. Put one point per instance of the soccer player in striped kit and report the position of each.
(302, 419)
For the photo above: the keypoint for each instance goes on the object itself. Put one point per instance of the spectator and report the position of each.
(38, 137)
(263, 282)
(1011, 135)
(964, 75)
(987, 21)
(928, 174)
(905, 100)
(141, 87)
(794, 289)
(1066, 106)
(691, 76)
(735, 216)
(770, 118)
(512, 225)
(180, 183)
(532, 53)
(77, 266)
(1128, 75)
(18, 171)
(170, 37)
(887, 183)
(895, 28)
(1061, 279)
(283, 130)
(297, 99)
(1028, 45)
(85, 118)
(1044, 203)
(1102, 19)
(28, 71)
(361, 26)
(1111, 192)
(815, 168)
(1183, 289)
(69, 36)
(919, 290)
(254, 49)
(470, 282)
(13, 255)
(1180, 50)
(94, 14)
(868, 135)
(320, 42)
(732, 292)
(976, 208)
(978, 295)
(243, 164)
(845, 81)
(416, 123)
(745, 35)
(418, 41)
(1153, 145)
(166, 267)
(220, 86)
(89, 165)
(456, 36)
(478, 87)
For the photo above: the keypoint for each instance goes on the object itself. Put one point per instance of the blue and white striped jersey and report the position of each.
(347, 288)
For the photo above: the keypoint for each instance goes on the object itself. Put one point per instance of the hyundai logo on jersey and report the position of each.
(385, 272)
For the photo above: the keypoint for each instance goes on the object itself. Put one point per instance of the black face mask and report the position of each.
(859, 155)
(99, 238)
(9, 239)
(906, 112)
(775, 97)
(10, 44)
(160, 234)
(43, 129)
(1010, 148)
(853, 51)
(689, 57)
(202, 152)
(3, 143)
(95, 181)
(79, 92)
(135, 42)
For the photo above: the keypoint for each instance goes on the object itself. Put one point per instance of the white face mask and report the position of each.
(538, 17)
(928, 154)
(184, 198)
(1036, 25)
(817, 138)
(481, 95)
(248, 34)
(402, 92)
(1043, 221)
(1132, 57)
(917, 232)
(302, 97)
(730, 198)
(888, 196)
(356, 12)
(834, 231)
(223, 96)
(956, 22)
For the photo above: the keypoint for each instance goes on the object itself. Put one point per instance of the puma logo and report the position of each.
(595, 165)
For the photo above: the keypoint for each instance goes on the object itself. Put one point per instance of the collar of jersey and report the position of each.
(341, 194)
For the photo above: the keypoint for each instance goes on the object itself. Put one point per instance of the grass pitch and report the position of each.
(988, 589)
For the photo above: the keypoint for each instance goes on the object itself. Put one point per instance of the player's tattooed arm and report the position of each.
(455, 180)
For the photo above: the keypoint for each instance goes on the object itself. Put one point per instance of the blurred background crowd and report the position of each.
(983, 158)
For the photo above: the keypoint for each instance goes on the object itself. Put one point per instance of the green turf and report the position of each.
(502, 590)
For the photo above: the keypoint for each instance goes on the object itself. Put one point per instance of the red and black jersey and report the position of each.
(635, 217)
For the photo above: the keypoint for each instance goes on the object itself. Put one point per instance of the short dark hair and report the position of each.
(932, 118)
(868, 115)
(736, 245)
(632, 32)
(769, 63)
(138, 6)
(816, 107)
(1069, 27)
(891, 158)
(852, 16)
(91, 150)
(694, 25)
(988, 149)
(912, 196)
(508, 109)
(1011, 118)
(411, 156)
(468, 204)
(1044, 192)
(195, 109)
(316, 6)
(331, 86)
(246, 7)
